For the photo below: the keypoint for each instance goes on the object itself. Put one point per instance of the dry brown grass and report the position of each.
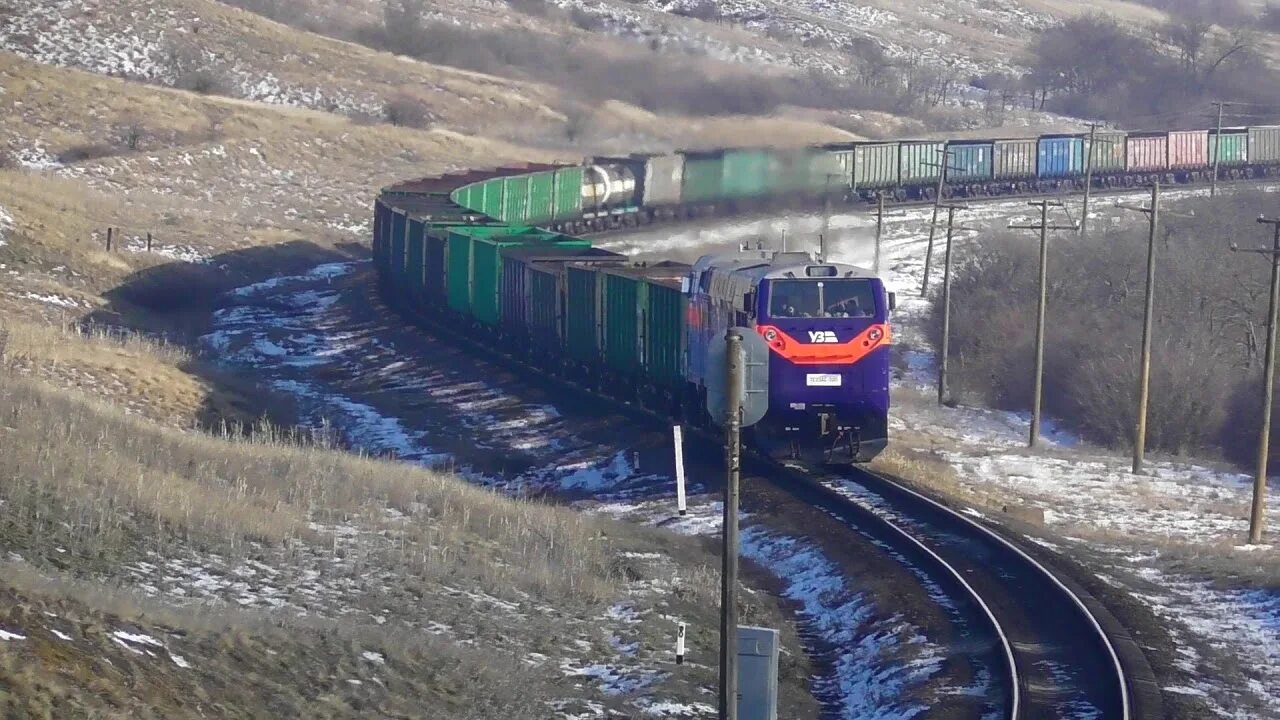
(147, 376)
(234, 663)
(85, 476)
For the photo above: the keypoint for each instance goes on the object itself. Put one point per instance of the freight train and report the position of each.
(494, 254)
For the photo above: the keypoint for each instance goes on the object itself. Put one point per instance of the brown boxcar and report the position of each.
(1189, 149)
(1147, 152)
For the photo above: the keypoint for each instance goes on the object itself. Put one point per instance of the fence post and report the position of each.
(109, 231)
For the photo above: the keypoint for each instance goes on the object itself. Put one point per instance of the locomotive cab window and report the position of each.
(839, 298)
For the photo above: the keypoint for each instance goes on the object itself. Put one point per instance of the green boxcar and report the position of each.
(1234, 145)
(1109, 152)
(919, 163)
(1264, 145)
(827, 175)
(487, 197)
(876, 165)
(582, 314)
(840, 156)
(747, 173)
(436, 267)
(415, 258)
(542, 187)
(703, 177)
(643, 322)
(664, 334)
(396, 257)
(969, 161)
(486, 270)
(484, 264)
(458, 277)
(515, 199)
(622, 296)
(567, 194)
(1015, 159)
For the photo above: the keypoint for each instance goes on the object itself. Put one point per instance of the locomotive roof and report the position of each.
(770, 266)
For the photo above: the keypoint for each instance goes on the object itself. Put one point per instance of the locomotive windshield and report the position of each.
(846, 298)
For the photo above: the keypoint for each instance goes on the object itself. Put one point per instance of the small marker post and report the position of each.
(677, 433)
(680, 631)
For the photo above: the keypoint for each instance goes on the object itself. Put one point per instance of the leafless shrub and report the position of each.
(405, 110)
(536, 8)
(191, 69)
(577, 122)
(698, 9)
(1270, 17)
(587, 20)
(1092, 66)
(130, 133)
(81, 152)
(1227, 13)
(1208, 304)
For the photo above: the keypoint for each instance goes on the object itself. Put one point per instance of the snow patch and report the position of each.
(871, 680)
(52, 299)
(6, 635)
(6, 225)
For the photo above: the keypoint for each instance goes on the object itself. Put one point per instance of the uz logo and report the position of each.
(822, 336)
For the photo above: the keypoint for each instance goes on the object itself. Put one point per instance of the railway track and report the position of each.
(1057, 651)
(1066, 656)
(1061, 655)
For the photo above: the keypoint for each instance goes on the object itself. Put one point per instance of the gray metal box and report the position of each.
(757, 673)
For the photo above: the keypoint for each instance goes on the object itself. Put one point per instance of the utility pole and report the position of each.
(1144, 364)
(1088, 178)
(879, 230)
(943, 167)
(1257, 518)
(1044, 227)
(945, 352)
(735, 367)
(1217, 150)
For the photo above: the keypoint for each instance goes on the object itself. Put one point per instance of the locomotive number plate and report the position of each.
(822, 380)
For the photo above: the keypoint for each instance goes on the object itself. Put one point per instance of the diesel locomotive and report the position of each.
(827, 329)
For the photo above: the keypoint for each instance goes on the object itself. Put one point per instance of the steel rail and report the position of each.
(1122, 678)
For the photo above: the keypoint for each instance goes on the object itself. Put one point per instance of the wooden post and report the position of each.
(148, 242)
(109, 231)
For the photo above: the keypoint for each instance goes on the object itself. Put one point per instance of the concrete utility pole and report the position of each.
(1088, 178)
(943, 167)
(1217, 150)
(1144, 364)
(1257, 518)
(945, 352)
(735, 367)
(1044, 227)
(875, 266)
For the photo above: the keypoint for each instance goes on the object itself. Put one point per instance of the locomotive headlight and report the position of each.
(770, 334)
(875, 334)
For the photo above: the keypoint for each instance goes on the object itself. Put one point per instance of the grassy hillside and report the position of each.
(172, 574)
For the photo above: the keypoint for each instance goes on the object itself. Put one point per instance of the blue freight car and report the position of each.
(1061, 156)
